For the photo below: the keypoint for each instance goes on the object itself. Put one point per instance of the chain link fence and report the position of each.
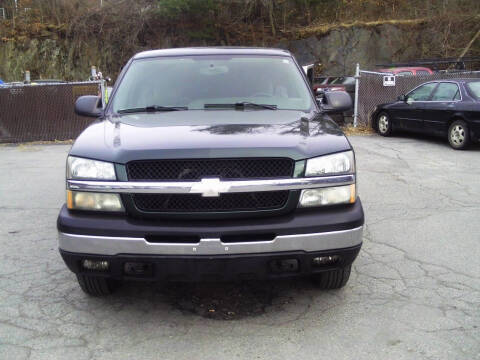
(43, 112)
(372, 92)
(46, 112)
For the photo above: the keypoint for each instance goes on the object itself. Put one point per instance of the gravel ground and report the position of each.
(414, 292)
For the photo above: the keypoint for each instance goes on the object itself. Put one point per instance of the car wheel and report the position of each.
(458, 135)
(384, 124)
(333, 279)
(96, 285)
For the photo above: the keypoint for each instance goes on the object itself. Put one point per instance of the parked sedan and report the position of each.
(448, 108)
(342, 83)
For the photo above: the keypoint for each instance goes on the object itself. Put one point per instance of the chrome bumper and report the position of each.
(103, 245)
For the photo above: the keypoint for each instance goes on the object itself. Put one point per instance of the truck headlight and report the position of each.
(328, 196)
(83, 169)
(341, 163)
(80, 200)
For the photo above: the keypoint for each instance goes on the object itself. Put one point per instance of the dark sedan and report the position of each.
(447, 108)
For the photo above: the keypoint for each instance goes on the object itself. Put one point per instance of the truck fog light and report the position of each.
(328, 196)
(78, 200)
(97, 265)
(325, 260)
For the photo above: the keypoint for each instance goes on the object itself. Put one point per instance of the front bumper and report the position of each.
(107, 245)
(168, 248)
(308, 230)
(211, 268)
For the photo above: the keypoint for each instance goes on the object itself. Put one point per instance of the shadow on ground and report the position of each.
(221, 301)
(430, 139)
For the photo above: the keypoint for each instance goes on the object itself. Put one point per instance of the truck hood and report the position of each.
(210, 134)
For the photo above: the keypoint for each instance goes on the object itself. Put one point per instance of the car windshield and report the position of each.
(474, 87)
(196, 81)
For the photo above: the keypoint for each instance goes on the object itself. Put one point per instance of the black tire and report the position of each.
(459, 135)
(96, 285)
(334, 279)
(384, 124)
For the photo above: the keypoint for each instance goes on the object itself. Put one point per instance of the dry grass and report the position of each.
(358, 131)
(43, 142)
(321, 29)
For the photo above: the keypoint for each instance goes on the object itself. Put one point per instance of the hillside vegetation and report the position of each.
(113, 32)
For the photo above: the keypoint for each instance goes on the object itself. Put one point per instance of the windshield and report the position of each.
(194, 81)
(474, 87)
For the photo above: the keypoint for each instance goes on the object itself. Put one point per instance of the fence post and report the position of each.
(27, 77)
(355, 109)
(102, 89)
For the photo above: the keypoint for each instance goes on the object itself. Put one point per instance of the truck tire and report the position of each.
(334, 279)
(96, 285)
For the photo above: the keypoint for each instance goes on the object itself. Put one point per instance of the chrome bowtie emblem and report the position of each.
(209, 187)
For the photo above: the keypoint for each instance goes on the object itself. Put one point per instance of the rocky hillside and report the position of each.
(67, 45)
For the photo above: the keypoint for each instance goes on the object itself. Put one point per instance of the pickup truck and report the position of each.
(211, 164)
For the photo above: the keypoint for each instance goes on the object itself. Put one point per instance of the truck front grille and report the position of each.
(196, 169)
(267, 200)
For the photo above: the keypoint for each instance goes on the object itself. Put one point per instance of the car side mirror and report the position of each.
(336, 101)
(89, 105)
(402, 98)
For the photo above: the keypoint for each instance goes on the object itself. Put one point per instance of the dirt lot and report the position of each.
(414, 292)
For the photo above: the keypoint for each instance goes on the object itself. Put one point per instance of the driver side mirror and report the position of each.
(89, 105)
(336, 101)
(402, 98)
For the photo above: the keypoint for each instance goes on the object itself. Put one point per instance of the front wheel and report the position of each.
(458, 135)
(333, 279)
(384, 124)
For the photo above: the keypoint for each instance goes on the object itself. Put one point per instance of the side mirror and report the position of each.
(336, 101)
(402, 98)
(89, 105)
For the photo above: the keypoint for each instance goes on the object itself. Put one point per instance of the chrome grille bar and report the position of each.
(209, 188)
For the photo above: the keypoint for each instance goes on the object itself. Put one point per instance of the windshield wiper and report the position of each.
(152, 108)
(240, 105)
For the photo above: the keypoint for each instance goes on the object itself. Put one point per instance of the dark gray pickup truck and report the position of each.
(211, 164)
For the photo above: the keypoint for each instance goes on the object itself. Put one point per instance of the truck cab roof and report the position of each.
(192, 51)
